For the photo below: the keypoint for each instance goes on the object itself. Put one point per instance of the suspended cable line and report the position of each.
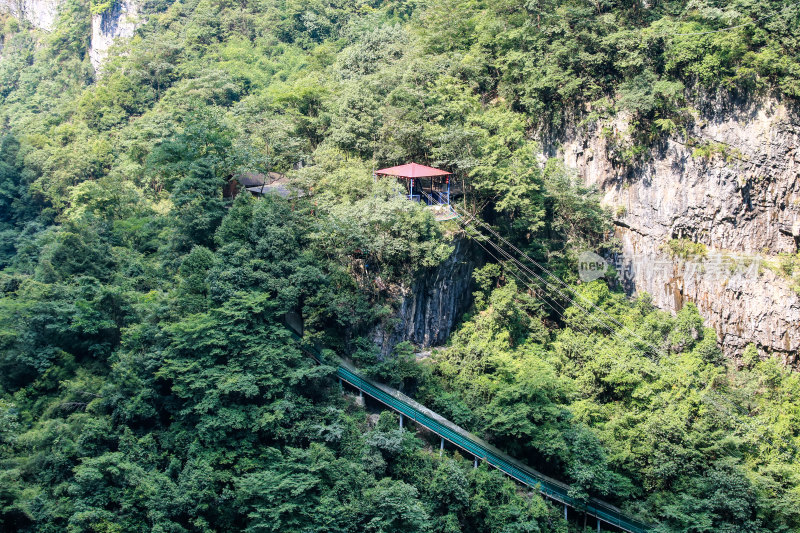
(657, 350)
(523, 268)
(551, 302)
(576, 325)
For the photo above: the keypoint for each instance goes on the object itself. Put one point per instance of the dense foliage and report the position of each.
(698, 444)
(146, 381)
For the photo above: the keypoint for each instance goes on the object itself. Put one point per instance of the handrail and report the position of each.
(475, 446)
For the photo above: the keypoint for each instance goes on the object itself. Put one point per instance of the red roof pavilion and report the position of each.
(412, 171)
(438, 192)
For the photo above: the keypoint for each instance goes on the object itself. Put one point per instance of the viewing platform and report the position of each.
(427, 185)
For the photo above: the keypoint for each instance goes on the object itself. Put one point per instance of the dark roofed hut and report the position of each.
(257, 184)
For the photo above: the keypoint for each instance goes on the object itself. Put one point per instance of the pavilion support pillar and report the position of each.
(598, 525)
(565, 511)
(441, 447)
(341, 387)
(401, 420)
(475, 462)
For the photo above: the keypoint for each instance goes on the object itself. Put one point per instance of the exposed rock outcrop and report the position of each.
(432, 305)
(739, 195)
(120, 21)
(40, 13)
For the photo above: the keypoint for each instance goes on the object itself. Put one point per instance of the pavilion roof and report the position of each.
(412, 170)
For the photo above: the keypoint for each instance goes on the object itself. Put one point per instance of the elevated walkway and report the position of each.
(481, 450)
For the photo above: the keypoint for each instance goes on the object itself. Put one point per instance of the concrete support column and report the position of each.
(441, 447)
(598, 525)
(360, 399)
(565, 511)
(401, 420)
(341, 387)
(475, 462)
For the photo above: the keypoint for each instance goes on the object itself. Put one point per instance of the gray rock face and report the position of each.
(432, 305)
(118, 22)
(742, 202)
(40, 13)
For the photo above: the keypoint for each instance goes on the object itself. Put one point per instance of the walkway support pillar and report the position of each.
(598, 525)
(341, 387)
(475, 462)
(401, 420)
(565, 511)
(441, 447)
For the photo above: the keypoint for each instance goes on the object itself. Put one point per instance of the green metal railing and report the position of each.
(549, 487)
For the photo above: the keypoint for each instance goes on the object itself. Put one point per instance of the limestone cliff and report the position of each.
(731, 183)
(40, 13)
(432, 305)
(119, 21)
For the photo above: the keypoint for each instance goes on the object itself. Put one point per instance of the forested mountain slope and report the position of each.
(146, 381)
